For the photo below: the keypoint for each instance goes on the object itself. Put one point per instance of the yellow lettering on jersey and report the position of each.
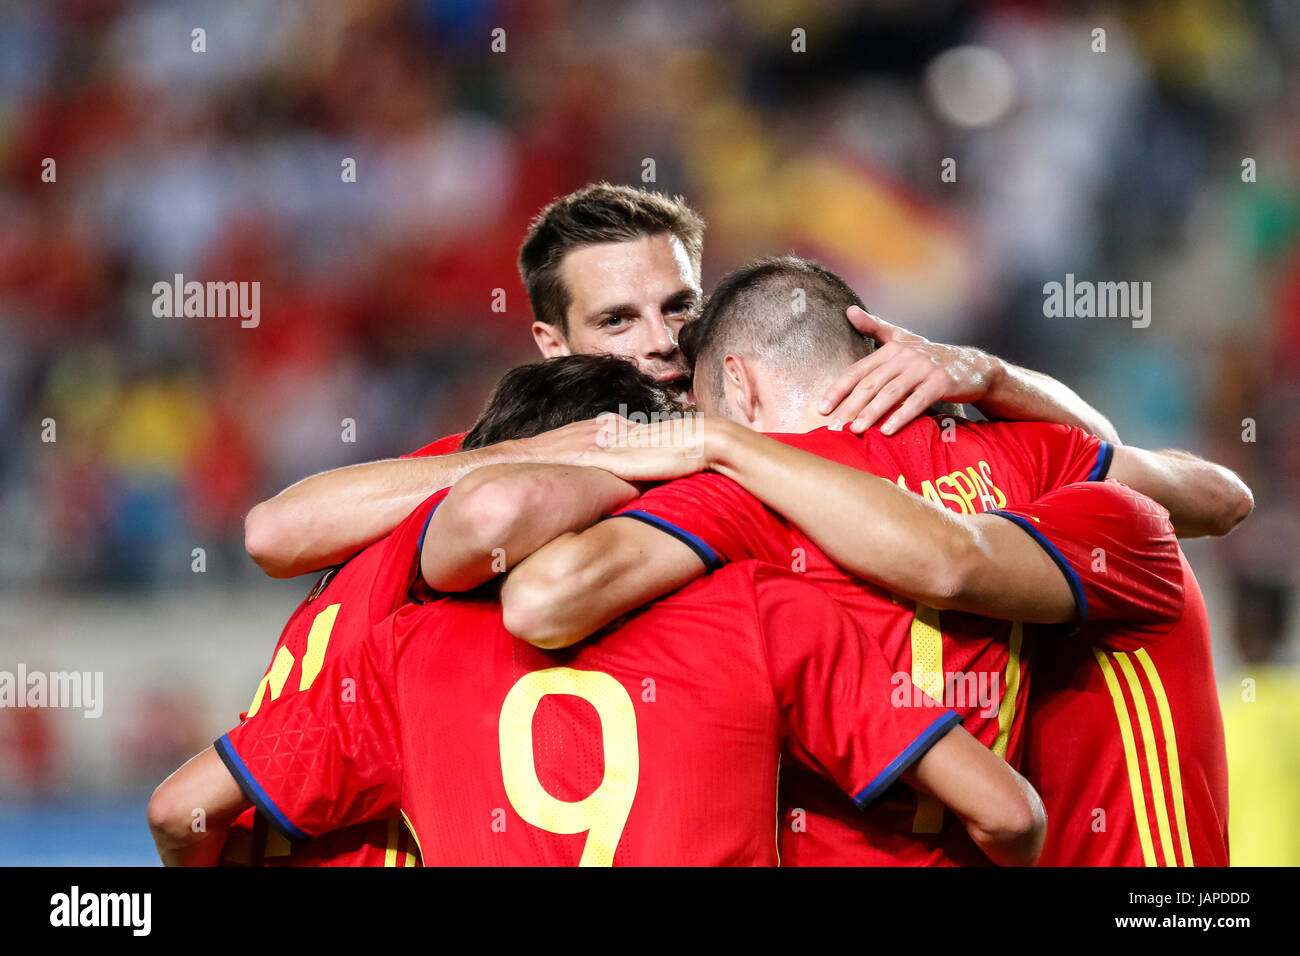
(956, 499)
(927, 490)
(988, 501)
(966, 490)
(273, 680)
(603, 813)
(317, 640)
(959, 490)
(1000, 499)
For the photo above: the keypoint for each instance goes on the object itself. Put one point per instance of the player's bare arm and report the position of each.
(203, 786)
(1202, 498)
(911, 370)
(1000, 809)
(500, 514)
(578, 583)
(982, 564)
(325, 519)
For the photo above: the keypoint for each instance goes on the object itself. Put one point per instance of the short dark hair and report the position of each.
(536, 398)
(598, 213)
(786, 310)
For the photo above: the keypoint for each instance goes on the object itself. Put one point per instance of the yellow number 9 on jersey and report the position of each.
(603, 812)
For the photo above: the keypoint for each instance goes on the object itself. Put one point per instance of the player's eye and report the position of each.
(682, 306)
(613, 323)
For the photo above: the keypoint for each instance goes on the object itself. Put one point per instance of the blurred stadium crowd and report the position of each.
(377, 295)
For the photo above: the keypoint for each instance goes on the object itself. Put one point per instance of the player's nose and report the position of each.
(660, 340)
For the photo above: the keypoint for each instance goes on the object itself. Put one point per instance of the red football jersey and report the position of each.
(975, 665)
(656, 744)
(341, 609)
(384, 842)
(1124, 738)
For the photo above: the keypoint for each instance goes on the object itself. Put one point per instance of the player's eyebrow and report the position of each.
(685, 296)
(621, 308)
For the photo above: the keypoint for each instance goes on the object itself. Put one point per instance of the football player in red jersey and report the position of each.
(1124, 729)
(980, 469)
(353, 728)
(658, 745)
(348, 600)
(616, 270)
(1123, 734)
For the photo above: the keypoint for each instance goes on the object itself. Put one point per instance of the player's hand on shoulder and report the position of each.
(906, 369)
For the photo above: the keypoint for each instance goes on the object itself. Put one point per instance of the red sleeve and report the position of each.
(1057, 455)
(715, 517)
(443, 446)
(398, 579)
(323, 756)
(1116, 549)
(846, 713)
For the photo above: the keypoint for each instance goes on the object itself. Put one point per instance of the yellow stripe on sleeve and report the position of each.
(1171, 752)
(1130, 756)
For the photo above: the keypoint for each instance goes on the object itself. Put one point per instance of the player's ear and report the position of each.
(550, 341)
(741, 388)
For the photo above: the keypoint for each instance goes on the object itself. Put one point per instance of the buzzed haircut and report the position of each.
(785, 311)
(595, 214)
(538, 397)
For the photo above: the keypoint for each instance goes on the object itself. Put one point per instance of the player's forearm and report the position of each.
(203, 850)
(1202, 498)
(1021, 394)
(579, 583)
(496, 517)
(561, 594)
(891, 537)
(1000, 809)
(192, 810)
(1015, 833)
(327, 518)
(864, 523)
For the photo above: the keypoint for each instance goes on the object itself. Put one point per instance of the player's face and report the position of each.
(628, 299)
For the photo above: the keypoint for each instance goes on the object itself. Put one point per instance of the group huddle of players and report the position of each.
(677, 599)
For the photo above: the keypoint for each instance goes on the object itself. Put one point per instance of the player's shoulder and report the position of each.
(773, 584)
(835, 444)
(1109, 498)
